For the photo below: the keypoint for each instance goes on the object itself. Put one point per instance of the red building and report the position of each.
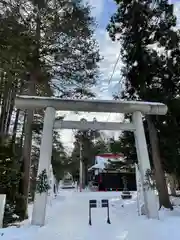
(110, 170)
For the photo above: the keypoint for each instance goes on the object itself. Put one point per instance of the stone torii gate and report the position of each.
(51, 105)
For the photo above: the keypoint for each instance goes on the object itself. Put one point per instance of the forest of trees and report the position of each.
(40, 45)
(48, 49)
(87, 145)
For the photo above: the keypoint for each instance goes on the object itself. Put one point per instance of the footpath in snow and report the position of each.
(67, 219)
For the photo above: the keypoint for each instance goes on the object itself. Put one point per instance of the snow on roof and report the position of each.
(101, 162)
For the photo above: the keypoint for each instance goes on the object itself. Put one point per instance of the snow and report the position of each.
(101, 162)
(89, 100)
(67, 219)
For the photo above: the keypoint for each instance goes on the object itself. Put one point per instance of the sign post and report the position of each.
(104, 204)
(92, 204)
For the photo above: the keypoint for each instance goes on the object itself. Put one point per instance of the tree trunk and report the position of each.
(33, 182)
(11, 108)
(23, 130)
(159, 173)
(26, 165)
(15, 126)
(30, 114)
(2, 82)
(4, 109)
(172, 184)
(83, 175)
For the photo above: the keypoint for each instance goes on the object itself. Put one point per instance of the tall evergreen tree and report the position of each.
(150, 49)
(87, 145)
(47, 47)
(125, 145)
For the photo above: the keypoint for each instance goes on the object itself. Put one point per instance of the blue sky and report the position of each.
(102, 10)
(107, 13)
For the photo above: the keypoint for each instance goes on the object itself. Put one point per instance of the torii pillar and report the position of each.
(144, 164)
(40, 200)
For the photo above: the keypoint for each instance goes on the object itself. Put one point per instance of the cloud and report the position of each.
(177, 13)
(109, 51)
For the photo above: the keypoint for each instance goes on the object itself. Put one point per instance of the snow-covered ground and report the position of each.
(67, 219)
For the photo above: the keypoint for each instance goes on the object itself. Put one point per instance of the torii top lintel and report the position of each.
(108, 106)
